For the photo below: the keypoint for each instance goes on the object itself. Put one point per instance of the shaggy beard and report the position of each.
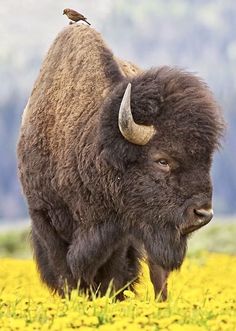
(166, 247)
(163, 243)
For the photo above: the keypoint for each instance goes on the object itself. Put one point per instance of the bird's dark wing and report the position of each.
(76, 14)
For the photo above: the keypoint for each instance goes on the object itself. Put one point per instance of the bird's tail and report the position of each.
(87, 22)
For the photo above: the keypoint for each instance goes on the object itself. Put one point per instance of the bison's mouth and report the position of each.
(192, 228)
(201, 218)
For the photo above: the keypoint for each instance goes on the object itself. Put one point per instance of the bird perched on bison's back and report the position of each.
(74, 15)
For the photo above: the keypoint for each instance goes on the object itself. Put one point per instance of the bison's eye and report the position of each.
(163, 164)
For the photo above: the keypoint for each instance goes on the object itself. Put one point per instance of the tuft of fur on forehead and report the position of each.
(180, 106)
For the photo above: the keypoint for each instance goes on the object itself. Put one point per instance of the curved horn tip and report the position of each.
(127, 94)
(128, 88)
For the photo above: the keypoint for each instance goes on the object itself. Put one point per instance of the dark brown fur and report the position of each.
(94, 198)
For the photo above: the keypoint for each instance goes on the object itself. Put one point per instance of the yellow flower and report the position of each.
(129, 294)
(194, 302)
(186, 327)
(165, 322)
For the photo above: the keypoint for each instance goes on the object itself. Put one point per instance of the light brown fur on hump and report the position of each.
(127, 68)
(71, 86)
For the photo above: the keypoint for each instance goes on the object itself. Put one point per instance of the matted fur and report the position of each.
(94, 198)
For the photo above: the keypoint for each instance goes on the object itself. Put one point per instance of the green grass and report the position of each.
(15, 244)
(218, 237)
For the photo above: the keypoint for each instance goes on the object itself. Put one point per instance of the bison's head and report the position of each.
(157, 136)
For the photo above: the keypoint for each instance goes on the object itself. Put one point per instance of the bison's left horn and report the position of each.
(135, 133)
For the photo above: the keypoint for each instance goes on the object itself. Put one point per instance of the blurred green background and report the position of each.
(215, 237)
(198, 35)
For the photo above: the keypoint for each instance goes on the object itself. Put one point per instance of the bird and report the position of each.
(74, 16)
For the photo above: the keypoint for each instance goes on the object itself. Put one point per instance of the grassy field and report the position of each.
(202, 296)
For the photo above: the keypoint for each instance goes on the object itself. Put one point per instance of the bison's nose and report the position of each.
(204, 215)
(199, 217)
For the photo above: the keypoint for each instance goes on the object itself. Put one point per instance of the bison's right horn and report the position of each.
(135, 133)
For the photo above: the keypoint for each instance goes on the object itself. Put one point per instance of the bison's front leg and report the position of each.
(91, 249)
(50, 253)
(122, 269)
(159, 278)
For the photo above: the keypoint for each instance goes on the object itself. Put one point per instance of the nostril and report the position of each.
(205, 214)
(202, 217)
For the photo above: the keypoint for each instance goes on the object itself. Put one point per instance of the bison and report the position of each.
(115, 165)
